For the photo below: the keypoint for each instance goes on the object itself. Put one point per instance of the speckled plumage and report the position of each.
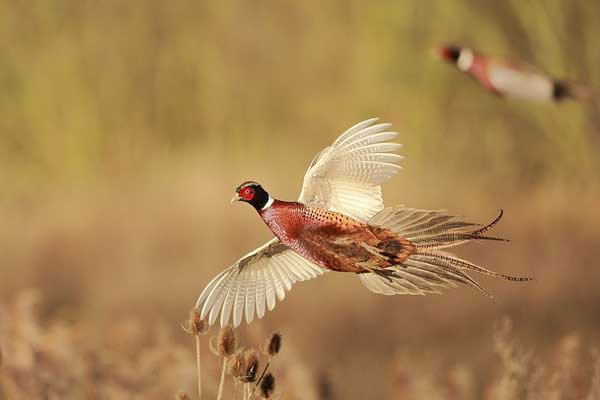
(333, 240)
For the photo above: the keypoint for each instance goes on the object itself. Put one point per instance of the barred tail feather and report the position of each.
(454, 235)
(430, 268)
(464, 264)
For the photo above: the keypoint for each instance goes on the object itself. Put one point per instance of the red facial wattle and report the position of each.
(247, 193)
(444, 53)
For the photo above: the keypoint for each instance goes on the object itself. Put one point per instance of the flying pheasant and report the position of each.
(507, 78)
(339, 224)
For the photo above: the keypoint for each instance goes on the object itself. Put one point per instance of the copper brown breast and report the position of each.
(333, 240)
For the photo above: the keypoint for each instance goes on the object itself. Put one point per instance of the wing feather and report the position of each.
(285, 279)
(214, 311)
(258, 279)
(270, 285)
(346, 176)
(356, 128)
(260, 294)
(211, 293)
(278, 282)
(228, 303)
(413, 277)
(240, 301)
(250, 296)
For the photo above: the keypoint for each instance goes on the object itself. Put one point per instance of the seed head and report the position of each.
(226, 341)
(267, 386)
(236, 366)
(251, 361)
(182, 396)
(194, 325)
(273, 344)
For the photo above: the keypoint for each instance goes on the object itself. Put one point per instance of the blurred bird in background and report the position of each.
(512, 79)
(339, 223)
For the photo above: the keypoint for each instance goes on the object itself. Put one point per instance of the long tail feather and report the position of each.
(430, 268)
(452, 237)
(464, 264)
(564, 89)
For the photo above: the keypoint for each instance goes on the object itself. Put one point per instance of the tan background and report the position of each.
(126, 126)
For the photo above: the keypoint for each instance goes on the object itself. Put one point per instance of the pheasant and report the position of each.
(507, 78)
(339, 223)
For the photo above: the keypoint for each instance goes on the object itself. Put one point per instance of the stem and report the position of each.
(220, 394)
(198, 367)
(262, 375)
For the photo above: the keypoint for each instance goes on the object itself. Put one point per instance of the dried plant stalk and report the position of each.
(196, 326)
(226, 347)
(220, 393)
(198, 366)
(260, 378)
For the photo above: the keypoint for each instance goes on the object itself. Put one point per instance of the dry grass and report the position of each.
(132, 358)
(566, 369)
(141, 359)
(127, 125)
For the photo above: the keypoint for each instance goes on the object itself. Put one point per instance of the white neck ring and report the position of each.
(269, 203)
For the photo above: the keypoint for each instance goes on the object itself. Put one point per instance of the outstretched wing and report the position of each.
(260, 277)
(346, 176)
(520, 83)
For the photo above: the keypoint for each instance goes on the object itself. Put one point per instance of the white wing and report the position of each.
(260, 277)
(522, 84)
(346, 176)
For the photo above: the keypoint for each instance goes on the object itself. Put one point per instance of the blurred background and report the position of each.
(126, 126)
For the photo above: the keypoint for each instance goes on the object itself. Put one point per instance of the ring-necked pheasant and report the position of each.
(339, 223)
(511, 79)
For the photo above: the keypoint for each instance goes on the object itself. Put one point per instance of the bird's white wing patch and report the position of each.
(256, 280)
(521, 84)
(346, 176)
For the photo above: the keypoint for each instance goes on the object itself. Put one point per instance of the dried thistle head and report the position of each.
(252, 363)
(194, 324)
(226, 341)
(236, 366)
(273, 344)
(182, 396)
(267, 386)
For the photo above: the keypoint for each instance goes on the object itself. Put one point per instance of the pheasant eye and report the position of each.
(247, 193)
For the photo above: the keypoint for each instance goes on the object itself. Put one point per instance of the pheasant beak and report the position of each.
(438, 52)
(235, 198)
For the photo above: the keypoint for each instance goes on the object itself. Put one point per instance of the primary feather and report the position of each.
(346, 176)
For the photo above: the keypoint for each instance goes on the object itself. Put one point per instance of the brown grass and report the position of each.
(126, 127)
(137, 360)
